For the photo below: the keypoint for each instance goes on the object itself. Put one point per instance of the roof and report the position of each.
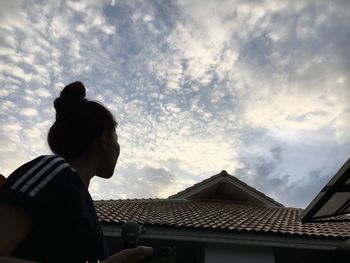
(221, 203)
(217, 215)
(227, 187)
(333, 200)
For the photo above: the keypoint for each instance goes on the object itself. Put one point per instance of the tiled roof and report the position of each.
(217, 215)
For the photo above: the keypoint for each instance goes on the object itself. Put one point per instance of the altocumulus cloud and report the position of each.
(258, 88)
(29, 112)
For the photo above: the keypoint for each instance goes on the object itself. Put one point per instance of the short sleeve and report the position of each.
(37, 182)
(64, 223)
(8, 193)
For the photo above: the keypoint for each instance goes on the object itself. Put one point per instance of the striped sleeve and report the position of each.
(30, 180)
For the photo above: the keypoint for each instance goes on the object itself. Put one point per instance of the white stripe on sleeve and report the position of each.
(29, 172)
(40, 173)
(48, 178)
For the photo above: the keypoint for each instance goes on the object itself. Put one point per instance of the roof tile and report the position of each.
(224, 215)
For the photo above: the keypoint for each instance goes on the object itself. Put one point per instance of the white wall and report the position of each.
(237, 254)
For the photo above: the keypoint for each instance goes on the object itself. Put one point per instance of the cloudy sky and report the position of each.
(258, 88)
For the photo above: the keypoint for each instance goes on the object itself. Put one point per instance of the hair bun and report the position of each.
(73, 92)
(71, 95)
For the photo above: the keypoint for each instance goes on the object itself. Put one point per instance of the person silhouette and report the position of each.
(47, 213)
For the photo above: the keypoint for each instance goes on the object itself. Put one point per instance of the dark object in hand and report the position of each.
(130, 234)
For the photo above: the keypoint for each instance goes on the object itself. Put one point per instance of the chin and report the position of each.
(106, 174)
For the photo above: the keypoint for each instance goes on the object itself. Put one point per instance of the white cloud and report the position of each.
(59, 27)
(11, 131)
(7, 106)
(341, 80)
(172, 108)
(341, 124)
(108, 29)
(147, 18)
(44, 93)
(6, 51)
(82, 28)
(42, 71)
(77, 6)
(216, 96)
(33, 133)
(176, 137)
(12, 15)
(10, 40)
(4, 93)
(15, 71)
(193, 49)
(29, 59)
(290, 109)
(29, 112)
(75, 49)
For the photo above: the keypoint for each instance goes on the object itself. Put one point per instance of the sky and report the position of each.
(257, 88)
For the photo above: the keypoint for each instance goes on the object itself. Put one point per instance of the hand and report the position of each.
(130, 255)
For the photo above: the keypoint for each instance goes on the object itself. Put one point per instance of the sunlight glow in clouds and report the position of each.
(258, 88)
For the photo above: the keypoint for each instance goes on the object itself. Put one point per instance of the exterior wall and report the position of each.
(186, 251)
(234, 253)
(292, 255)
(193, 246)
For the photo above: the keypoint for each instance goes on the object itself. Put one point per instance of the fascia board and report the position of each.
(219, 237)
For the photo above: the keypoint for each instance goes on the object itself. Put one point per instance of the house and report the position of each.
(222, 219)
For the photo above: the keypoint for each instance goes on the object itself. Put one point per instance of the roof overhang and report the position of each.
(221, 237)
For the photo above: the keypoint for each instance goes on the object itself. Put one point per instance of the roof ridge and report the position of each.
(224, 173)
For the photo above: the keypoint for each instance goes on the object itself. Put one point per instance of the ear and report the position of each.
(104, 140)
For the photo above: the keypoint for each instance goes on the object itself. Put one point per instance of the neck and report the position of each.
(84, 165)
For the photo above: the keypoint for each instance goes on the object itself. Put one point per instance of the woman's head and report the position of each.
(79, 124)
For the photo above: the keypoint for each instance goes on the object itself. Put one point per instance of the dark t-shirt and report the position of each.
(65, 227)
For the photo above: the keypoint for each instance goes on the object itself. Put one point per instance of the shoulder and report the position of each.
(42, 177)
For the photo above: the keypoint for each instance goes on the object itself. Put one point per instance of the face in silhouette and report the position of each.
(108, 155)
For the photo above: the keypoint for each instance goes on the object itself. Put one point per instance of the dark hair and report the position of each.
(79, 122)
